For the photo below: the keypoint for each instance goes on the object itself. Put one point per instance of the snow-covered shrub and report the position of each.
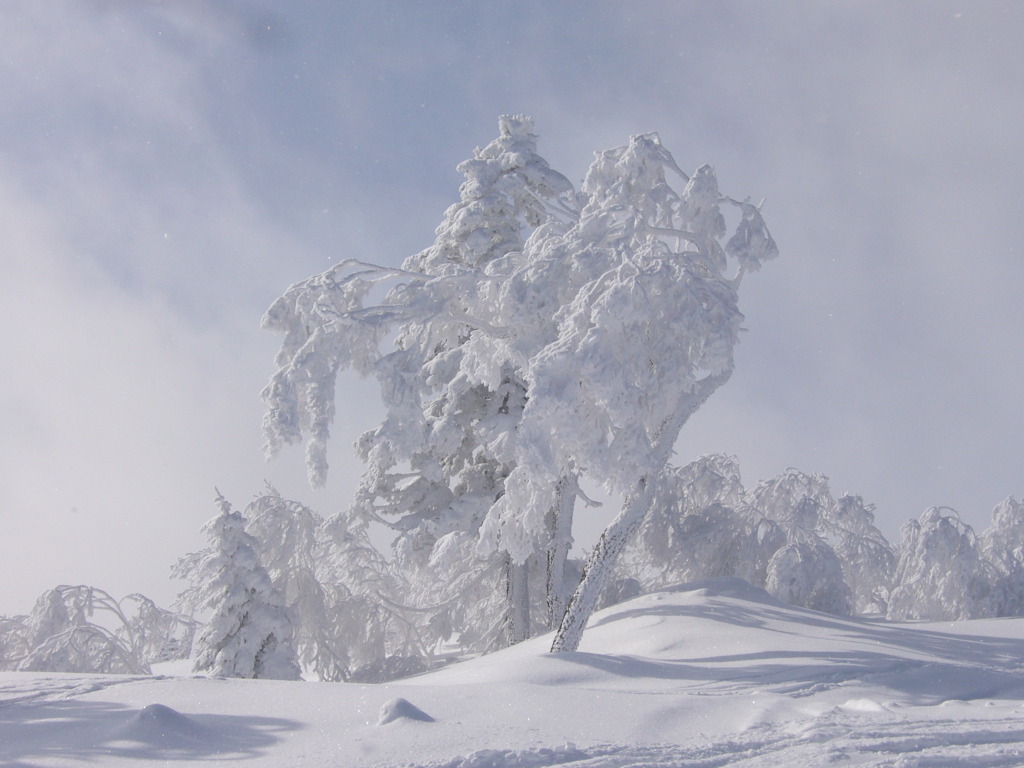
(13, 641)
(49, 617)
(83, 648)
(940, 575)
(804, 508)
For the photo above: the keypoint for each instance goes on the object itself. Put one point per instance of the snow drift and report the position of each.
(711, 674)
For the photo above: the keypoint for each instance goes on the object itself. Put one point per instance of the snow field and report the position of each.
(713, 675)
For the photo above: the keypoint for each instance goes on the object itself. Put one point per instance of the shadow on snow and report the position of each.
(92, 730)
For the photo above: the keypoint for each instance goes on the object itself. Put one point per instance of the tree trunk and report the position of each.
(517, 589)
(619, 531)
(598, 566)
(559, 543)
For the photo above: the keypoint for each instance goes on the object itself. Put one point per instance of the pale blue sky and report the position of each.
(167, 168)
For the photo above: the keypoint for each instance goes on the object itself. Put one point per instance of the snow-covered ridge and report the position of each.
(713, 673)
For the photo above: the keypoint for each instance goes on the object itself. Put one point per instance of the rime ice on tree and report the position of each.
(249, 634)
(546, 337)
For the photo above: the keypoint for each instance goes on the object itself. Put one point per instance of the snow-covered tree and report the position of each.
(808, 573)
(804, 508)
(291, 546)
(249, 633)
(545, 335)
(83, 648)
(157, 633)
(84, 629)
(1002, 547)
(698, 527)
(340, 591)
(367, 615)
(639, 348)
(940, 575)
(868, 560)
(800, 503)
(440, 458)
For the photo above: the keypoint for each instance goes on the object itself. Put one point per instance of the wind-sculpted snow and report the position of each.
(716, 673)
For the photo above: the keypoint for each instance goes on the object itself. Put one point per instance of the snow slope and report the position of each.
(713, 674)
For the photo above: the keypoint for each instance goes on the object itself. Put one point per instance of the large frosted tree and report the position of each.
(547, 336)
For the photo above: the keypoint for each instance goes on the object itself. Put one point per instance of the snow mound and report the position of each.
(160, 725)
(863, 705)
(402, 709)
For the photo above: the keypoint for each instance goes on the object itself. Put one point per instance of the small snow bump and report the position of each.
(160, 724)
(402, 709)
(863, 705)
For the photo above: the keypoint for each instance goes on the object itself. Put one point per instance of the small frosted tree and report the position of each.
(1002, 547)
(290, 544)
(367, 615)
(825, 528)
(800, 503)
(699, 527)
(808, 574)
(868, 560)
(249, 633)
(940, 575)
(63, 639)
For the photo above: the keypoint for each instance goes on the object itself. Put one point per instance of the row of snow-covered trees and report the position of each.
(554, 338)
(790, 536)
(350, 613)
(283, 590)
(84, 629)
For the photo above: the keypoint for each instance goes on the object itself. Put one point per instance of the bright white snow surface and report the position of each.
(712, 674)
